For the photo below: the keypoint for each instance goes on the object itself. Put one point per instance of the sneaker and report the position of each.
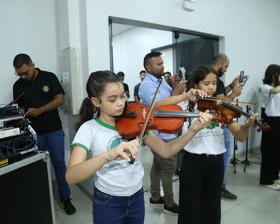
(274, 186)
(67, 206)
(174, 210)
(226, 195)
(277, 181)
(159, 202)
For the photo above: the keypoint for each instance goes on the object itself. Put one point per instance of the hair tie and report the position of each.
(88, 98)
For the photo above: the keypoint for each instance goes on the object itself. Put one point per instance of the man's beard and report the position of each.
(159, 74)
(220, 72)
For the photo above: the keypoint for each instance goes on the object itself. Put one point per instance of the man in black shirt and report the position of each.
(220, 63)
(43, 94)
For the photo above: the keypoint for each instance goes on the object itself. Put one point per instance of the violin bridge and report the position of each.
(219, 102)
(144, 114)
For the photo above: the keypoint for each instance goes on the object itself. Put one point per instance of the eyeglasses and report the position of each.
(23, 74)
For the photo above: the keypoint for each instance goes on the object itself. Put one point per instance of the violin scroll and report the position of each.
(224, 112)
(223, 120)
(225, 109)
(262, 126)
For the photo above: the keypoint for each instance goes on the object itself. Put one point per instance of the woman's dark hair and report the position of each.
(271, 75)
(95, 87)
(196, 75)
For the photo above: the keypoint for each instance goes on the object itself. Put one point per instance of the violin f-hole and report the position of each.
(140, 125)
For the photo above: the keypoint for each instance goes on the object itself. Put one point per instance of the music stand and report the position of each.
(234, 160)
(246, 161)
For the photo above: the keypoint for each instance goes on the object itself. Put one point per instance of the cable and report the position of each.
(26, 147)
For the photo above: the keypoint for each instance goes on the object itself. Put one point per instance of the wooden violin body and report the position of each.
(130, 124)
(167, 119)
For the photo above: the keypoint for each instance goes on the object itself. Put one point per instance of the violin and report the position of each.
(224, 109)
(167, 119)
(204, 104)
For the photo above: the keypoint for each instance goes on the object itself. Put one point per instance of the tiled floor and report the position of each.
(255, 204)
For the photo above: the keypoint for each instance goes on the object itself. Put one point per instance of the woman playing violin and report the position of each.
(270, 144)
(202, 169)
(118, 193)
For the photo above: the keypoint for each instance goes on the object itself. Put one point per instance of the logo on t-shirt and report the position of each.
(116, 165)
(46, 89)
(212, 125)
(114, 141)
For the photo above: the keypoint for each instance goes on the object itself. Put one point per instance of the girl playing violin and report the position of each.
(201, 173)
(118, 193)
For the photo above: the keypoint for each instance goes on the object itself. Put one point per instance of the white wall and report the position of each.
(30, 27)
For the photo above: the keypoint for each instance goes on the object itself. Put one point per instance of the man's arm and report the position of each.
(234, 83)
(136, 99)
(235, 91)
(179, 88)
(52, 105)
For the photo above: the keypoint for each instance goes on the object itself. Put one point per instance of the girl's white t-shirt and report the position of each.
(116, 178)
(209, 140)
(271, 102)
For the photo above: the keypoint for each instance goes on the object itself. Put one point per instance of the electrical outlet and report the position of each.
(178, 1)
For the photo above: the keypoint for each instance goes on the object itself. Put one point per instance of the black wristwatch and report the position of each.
(231, 86)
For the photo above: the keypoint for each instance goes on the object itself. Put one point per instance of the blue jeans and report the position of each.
(227, 154)
(108, 209)
(54, 143)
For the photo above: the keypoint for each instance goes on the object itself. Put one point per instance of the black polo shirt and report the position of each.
(220, 87)
(37, 93)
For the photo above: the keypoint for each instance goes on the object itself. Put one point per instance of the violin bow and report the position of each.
(149, 114)
(220, 100)
(139, 139)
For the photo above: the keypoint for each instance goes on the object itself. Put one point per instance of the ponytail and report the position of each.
(87, 112)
